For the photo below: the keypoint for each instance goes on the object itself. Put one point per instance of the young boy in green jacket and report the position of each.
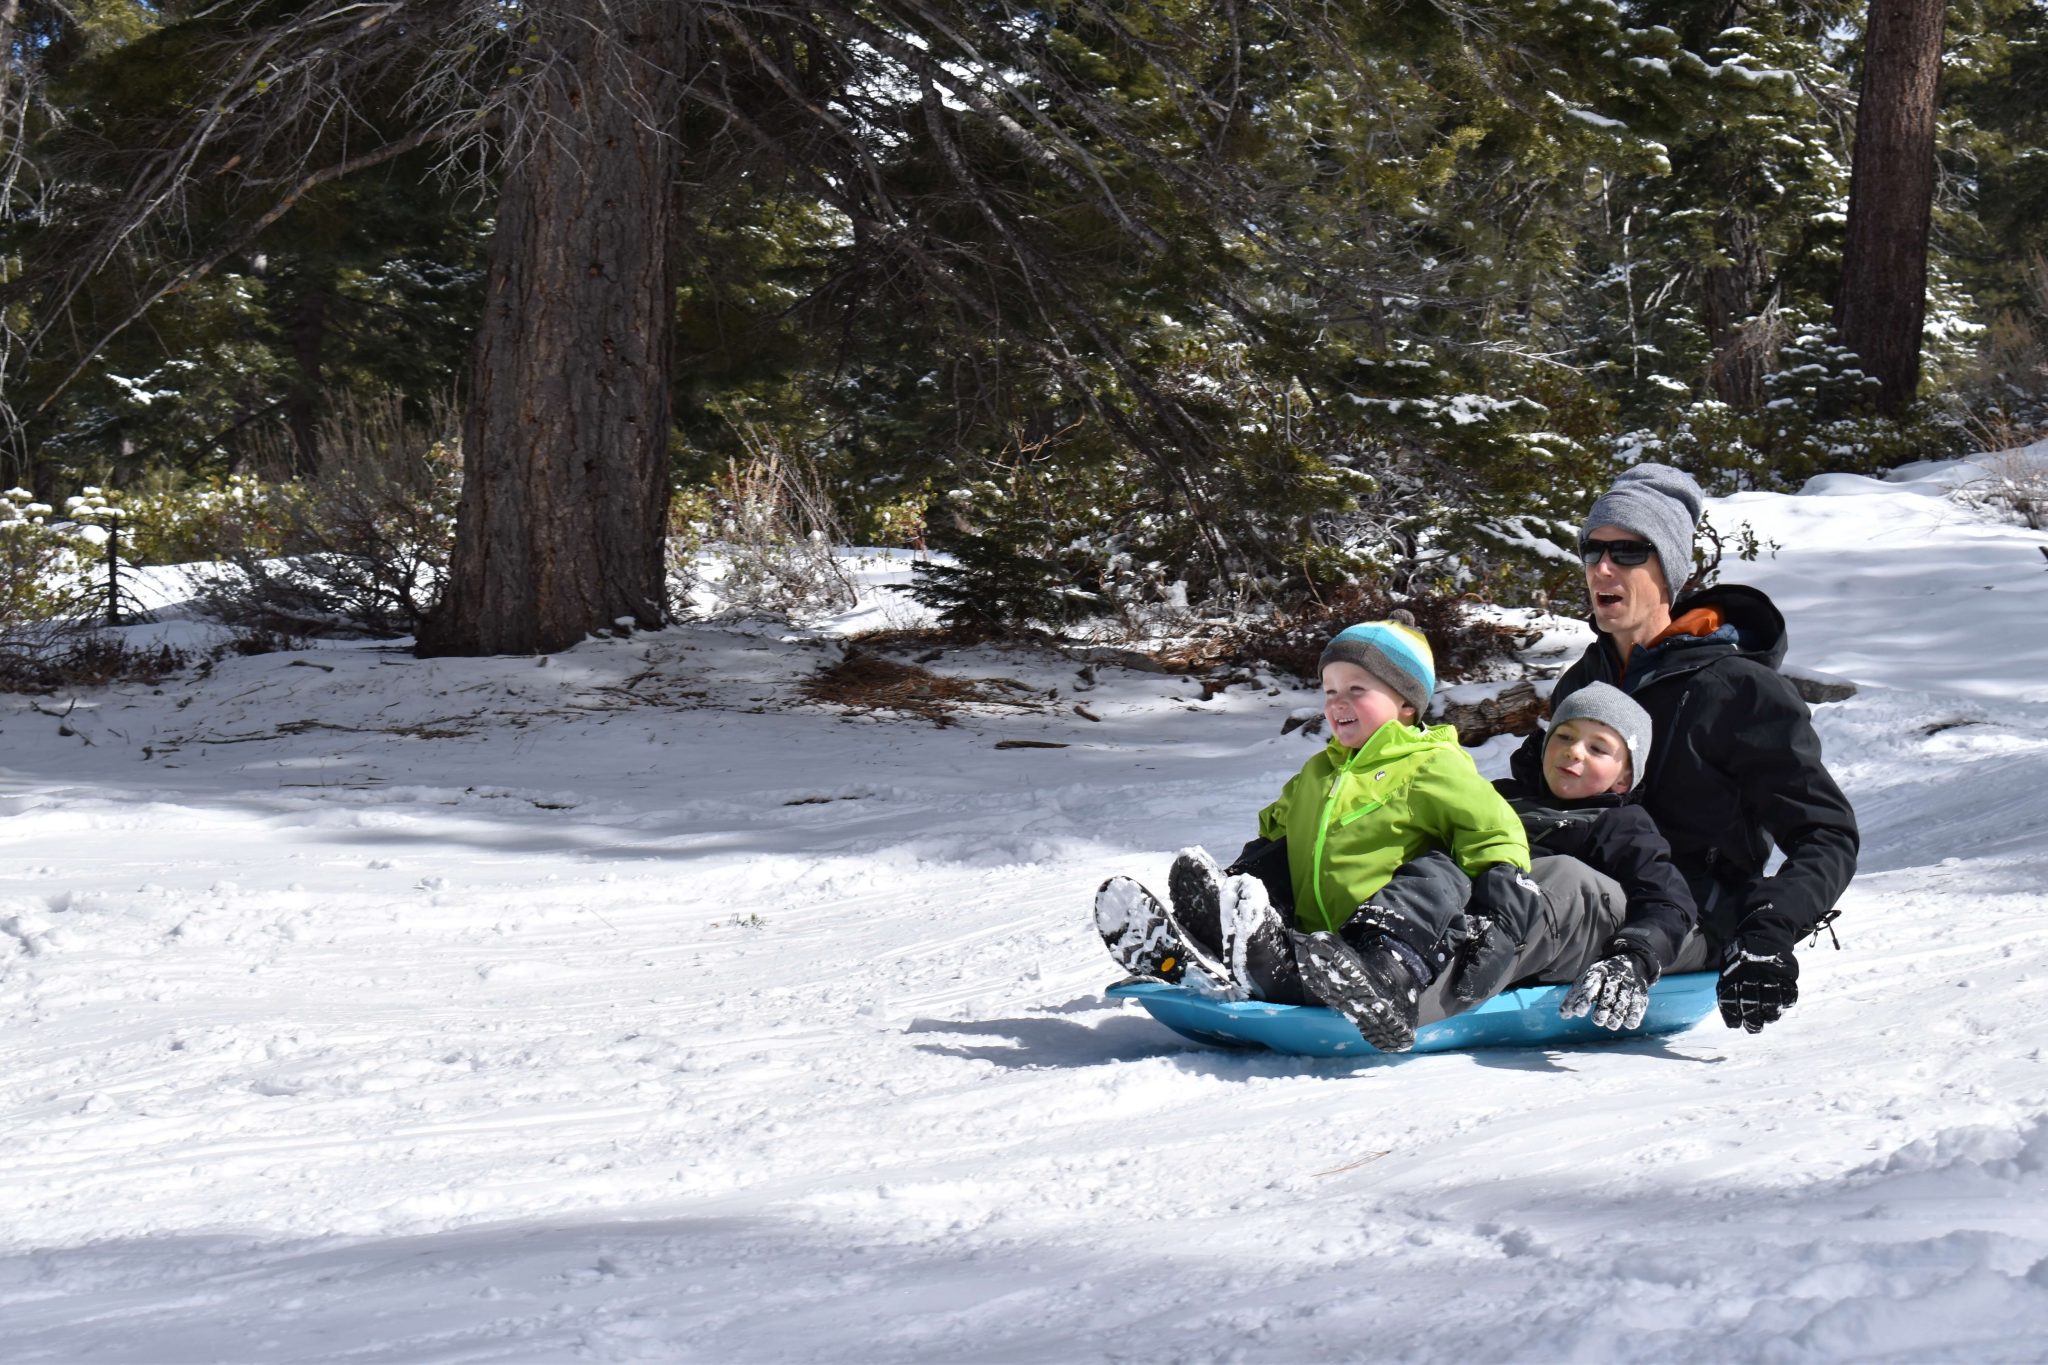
(1384, 858)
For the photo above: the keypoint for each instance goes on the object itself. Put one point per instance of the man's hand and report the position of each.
(1759, 981)
(1615, 991)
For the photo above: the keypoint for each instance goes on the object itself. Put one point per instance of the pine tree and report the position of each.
(1883, 298)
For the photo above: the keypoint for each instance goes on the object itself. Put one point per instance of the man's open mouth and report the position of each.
(1606, 599)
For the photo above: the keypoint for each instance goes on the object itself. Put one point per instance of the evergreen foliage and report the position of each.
(1126, 308)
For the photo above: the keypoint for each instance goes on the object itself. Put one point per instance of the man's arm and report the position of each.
(1774, 757)
(1624, 844)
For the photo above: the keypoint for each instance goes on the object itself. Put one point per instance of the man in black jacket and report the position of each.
(1737, 766)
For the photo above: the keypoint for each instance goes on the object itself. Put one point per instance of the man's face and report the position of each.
(1626, 598)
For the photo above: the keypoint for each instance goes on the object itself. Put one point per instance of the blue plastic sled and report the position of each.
(1521, 1018)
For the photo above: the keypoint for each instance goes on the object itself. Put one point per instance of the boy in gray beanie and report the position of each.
(1619, 907)
(1618, 712)
(1660, 504)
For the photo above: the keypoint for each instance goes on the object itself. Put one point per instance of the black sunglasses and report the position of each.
(1622, 552)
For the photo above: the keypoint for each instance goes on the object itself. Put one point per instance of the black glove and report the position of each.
(1485, 962)
(1615, 990)
(1759, 979)
(1266, 859)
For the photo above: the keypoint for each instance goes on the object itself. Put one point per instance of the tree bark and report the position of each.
(1882, 305)
(1730, 294)
(566, 437)
(308, 332)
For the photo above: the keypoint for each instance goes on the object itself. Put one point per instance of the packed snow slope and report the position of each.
(624, 1006)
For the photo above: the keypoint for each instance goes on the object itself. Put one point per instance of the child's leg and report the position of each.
(1261, 956)
(1136, 930)
(1375, 972)
(1417, 909)
(1194, 887)
(1581, 910)
(1146, 940)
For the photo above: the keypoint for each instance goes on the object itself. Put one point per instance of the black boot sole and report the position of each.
(1376, 1003)
(1138, 932)
(1196, 897)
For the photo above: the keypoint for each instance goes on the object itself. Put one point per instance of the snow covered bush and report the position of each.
(51, 600)
(997, 586)
(1818, 416)
(41, 591)
(205, 520)
(774, 527)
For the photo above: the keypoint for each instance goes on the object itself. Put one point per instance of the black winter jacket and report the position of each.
(1735, 767)
(1615, 837)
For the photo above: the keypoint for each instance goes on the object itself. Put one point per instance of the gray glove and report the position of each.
(1613, 990)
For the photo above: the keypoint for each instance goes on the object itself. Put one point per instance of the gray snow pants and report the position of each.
(1424, 904)
(1581, 910)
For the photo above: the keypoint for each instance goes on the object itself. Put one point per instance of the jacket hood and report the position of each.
(1759, 625)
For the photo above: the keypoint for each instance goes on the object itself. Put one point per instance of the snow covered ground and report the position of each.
(621, 1006)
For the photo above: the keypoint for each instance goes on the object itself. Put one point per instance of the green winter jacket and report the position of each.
(1351, 817)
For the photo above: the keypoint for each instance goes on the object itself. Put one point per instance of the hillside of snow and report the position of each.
(624, 1006)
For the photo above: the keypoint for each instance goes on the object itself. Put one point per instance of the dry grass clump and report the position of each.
(2013, 486)
(864, 682)
(85, 660)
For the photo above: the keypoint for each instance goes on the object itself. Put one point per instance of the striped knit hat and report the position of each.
(1397, 655)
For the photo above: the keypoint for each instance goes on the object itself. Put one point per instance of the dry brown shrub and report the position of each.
(85, 661)
(2012, 485)
(864, 683)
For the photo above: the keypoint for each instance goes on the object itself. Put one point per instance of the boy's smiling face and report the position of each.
(1583, 758)
(1356, 703)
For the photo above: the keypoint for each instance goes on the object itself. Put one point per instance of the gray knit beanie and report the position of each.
(1660, 504)
(1616, 710)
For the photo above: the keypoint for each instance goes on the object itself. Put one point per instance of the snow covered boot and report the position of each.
(1261, 948)
(1138, 932)
(1194, 887)
(1375, 989)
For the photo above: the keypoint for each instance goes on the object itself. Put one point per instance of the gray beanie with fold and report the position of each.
(1616, 710)
(1660, 504)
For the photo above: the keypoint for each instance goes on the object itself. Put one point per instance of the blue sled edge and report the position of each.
(1519, 1018)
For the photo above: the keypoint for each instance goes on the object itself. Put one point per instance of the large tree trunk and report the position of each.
(1743, 345)
(308, 331)
(1883, 301)
(566, 438)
